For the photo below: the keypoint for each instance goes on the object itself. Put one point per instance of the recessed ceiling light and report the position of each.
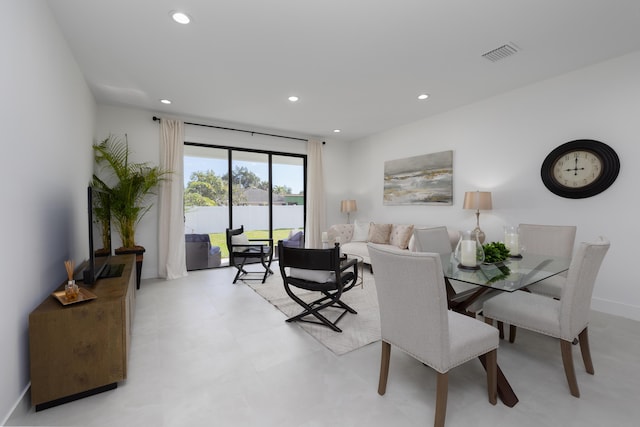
(293, 98)
(165, 101)
(180, 17)
(336, 130)
(423, 96)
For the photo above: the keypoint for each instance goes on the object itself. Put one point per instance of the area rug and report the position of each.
(358, 330)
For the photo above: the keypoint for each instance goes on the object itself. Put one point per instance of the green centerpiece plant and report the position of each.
(495, 252)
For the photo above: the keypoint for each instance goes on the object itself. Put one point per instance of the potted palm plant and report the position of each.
(128, 186)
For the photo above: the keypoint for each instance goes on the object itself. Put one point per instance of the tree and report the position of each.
(281, 189)
(243, 177)
(205, 188)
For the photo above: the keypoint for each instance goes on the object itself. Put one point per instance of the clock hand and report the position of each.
(575, 169)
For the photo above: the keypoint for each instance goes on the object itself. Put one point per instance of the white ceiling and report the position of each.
(357, 65)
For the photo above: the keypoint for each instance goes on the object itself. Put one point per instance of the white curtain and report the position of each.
(171, 249)
(316, 218)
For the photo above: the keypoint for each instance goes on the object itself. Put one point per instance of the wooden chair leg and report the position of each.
(492, 376)
(586, 352)
(384, 368)
(442, 390)
(569, 371)
(512, 333)
(501, 329)
(488, 320)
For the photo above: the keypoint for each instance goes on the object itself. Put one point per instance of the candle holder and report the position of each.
(469, 252)
(512, 241)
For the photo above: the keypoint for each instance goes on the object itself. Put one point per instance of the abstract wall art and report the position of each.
(419, 180)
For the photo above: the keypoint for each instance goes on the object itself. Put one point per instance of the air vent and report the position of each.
(501, 52)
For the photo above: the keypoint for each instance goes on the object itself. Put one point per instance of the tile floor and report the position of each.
(206, 352)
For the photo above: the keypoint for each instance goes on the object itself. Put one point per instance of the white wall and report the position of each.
(499, 145)
(47, 116)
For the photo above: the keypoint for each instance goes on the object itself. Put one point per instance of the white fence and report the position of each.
(215, 219)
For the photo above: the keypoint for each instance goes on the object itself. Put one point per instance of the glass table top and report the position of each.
(509, 275)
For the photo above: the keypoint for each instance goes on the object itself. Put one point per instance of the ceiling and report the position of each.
(356, 65)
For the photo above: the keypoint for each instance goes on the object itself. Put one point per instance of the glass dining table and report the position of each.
(510, 275)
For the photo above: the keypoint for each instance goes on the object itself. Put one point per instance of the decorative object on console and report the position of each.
(478, 200)
(348, 206)
(580, 169)
(419, 180)
(469, 252)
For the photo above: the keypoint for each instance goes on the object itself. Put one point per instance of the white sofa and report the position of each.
(353, 238)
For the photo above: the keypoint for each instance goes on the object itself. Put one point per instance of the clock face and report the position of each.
(580, 169)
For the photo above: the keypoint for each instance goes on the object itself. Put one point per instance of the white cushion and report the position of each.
(319, 276)
(240, 239)
(360, 231)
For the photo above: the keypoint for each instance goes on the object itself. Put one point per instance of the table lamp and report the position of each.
(348, 206)
(478, 200)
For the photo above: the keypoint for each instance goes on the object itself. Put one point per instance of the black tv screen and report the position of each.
(98, 256)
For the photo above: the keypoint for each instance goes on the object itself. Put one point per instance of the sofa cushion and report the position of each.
(360, 231)
(379, 233)
(400, 235)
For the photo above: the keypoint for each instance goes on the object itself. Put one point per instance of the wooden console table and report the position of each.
(82, 349)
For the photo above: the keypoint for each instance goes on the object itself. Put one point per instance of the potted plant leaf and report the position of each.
(129, 186)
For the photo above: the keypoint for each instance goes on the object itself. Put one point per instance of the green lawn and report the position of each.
(220, 239)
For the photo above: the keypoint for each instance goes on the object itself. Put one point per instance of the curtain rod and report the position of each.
(157, 119)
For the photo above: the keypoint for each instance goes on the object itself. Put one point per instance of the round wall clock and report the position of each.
(580, 169)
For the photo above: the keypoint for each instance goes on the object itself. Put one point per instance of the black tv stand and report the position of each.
(111, 270)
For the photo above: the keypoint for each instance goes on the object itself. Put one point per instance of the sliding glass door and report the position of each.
(229, 187)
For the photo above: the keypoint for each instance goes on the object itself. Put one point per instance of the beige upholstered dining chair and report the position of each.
(415, 319)
(432, 239)
(554, 240)
(566, 318)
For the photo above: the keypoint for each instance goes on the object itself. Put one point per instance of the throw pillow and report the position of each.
(400, 235)
(240, 239)
(379, 233)
(360, 231)
(318, 276)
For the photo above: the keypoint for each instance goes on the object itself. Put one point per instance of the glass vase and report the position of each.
(469, 252)
(512, 241)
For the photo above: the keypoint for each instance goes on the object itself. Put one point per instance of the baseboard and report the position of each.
(21, 407)
(616, 309)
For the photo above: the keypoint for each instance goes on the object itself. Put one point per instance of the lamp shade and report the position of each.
(478, 200)
(348, 206)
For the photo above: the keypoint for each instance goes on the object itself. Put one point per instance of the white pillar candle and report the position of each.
(468, 253)
(512, 243)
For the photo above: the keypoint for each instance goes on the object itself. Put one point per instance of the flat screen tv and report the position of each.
(98, 264)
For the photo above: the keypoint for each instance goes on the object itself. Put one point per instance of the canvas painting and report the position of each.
(419, 180)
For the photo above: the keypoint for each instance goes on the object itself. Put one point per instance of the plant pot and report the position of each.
(139, 252)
